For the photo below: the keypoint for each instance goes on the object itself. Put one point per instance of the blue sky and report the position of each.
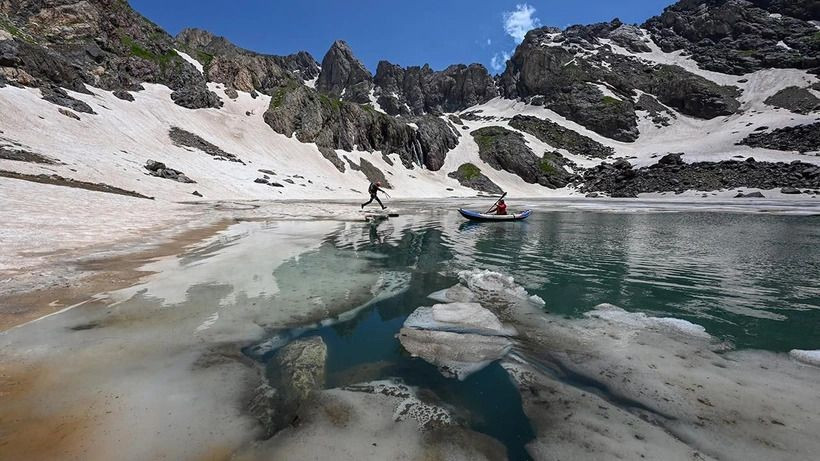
(437, 32)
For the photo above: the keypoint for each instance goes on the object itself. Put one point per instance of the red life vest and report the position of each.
(501, 208)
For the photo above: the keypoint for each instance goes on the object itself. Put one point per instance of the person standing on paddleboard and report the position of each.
(374, 189)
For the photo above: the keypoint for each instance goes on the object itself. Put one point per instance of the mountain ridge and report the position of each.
(601, 91)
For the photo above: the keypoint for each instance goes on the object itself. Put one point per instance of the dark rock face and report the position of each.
(337, 124)
(181, 137)
(506, 150)
(124, 95)
(737, 36)
(566, 79)
(436, 138)
(469, 175)
(658, 113)
(159, 169)
(420, 90)
(344, 76)
(671, 174)
(193, 97)
(330, 154)
(104, 43)
(245, 70)
(374, 174)
(56, 95)
(22, 155)
(795, 99)
(750, 195)
(559, 137)
(800, 138)
(69, 182)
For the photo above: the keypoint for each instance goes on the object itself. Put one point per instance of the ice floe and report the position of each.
(807, 357)
(459, 338)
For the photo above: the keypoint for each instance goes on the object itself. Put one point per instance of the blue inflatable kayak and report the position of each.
(476, 216)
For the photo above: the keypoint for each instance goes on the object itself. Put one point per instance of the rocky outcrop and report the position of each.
(194, 97)
(506, 150)
(738, 36)
(660, 115)
(159, 170)
(330, 154)
(800, 138)
(58, 180)
(568, 72)
(344, 76)
(672, 174)
(105, 44)
(559, 137)
(795, 99)
(56, 95)
(241, 69)
(469, 175)
(436, 137)
(420, 90)
(337, 124)
(185, 138)
(373, 174)
(22, 155)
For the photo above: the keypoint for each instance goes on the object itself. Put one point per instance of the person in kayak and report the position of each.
(374, 189)
(499, 208)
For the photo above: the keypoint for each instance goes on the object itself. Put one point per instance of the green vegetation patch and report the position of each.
(278, 96)
(486, 137)
(610, 101)
(136, 49)
(546, 166)
(334, 104)
(204, 58)
(468, 171)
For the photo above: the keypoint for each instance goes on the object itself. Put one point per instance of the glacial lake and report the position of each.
(751, 279)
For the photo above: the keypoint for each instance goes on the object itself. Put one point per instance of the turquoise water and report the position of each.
(749, 279)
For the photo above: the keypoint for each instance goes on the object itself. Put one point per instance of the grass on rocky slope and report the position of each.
(468, 171)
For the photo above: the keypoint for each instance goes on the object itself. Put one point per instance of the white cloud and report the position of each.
(489, 42)
(517, 23)
(499, 61)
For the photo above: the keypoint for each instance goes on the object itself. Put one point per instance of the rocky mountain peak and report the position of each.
(242, 69)
(343, 75)
(420, 90)
(739, 36)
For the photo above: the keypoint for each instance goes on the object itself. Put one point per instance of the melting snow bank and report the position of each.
(626, 385)
(807, 357)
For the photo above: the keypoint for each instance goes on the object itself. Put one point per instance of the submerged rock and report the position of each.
(301, 366)
(295, 373)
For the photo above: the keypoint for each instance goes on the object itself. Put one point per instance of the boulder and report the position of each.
(795, 99)
(124, 95)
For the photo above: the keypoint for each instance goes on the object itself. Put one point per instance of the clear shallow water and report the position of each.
(749, 279)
